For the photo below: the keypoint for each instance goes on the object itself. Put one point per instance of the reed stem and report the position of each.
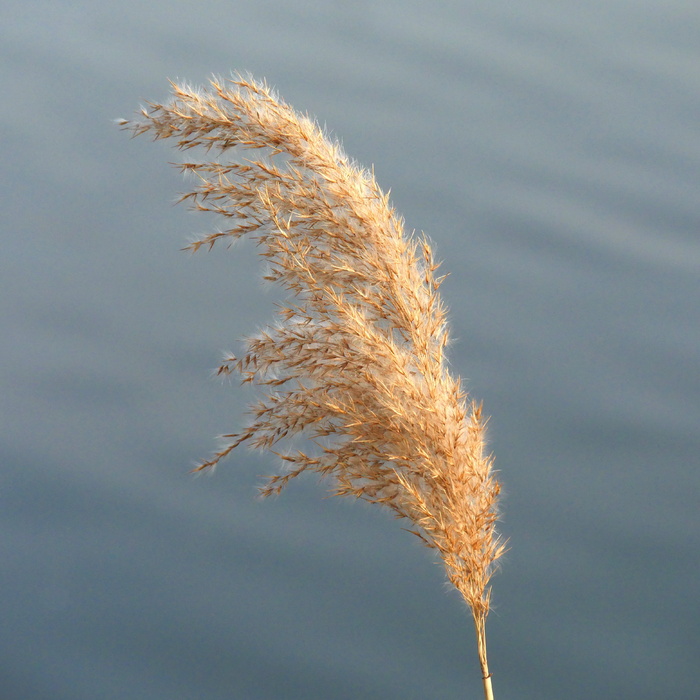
(480, 626)
(488, 691)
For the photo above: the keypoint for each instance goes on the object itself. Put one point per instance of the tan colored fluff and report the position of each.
(355, 362)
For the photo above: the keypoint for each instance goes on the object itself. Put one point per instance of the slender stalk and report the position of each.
(488, 690)
(480, 625)
(355, 363)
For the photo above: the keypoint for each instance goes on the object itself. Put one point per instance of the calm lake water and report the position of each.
(552, 153)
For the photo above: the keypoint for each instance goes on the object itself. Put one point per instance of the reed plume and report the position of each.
(355, 362)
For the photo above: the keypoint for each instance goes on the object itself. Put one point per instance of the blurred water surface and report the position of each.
(552, 152)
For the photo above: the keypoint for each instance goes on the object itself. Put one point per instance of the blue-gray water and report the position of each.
(552, 152)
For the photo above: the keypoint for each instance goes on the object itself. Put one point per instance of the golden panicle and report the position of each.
(355, 362)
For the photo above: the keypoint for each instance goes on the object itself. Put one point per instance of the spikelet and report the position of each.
(356, 360)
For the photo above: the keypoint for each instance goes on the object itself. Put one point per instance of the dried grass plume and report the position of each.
(355, 362)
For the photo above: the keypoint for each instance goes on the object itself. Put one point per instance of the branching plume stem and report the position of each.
(355, 363)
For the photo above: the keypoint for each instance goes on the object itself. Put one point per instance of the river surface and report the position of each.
(551, 150)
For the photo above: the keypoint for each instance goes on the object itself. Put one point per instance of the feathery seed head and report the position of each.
(356, 360)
